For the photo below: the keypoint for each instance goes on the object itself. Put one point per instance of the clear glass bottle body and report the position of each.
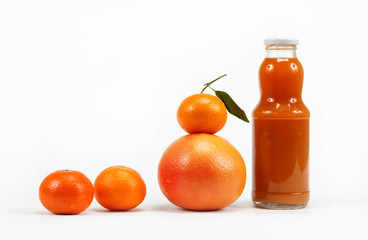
(281, 133)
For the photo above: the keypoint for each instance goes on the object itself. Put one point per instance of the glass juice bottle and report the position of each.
(280, 131)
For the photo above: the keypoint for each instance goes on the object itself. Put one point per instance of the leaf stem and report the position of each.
(211, 88)
(206, 85)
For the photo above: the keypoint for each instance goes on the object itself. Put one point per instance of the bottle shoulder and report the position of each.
(293, 108)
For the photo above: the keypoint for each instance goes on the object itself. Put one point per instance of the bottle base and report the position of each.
(278, 206)
(286, 200)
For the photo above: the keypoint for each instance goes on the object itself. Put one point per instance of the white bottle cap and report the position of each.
(281, 41)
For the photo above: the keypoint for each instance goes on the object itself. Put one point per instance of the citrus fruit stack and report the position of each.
(202, 171)
(199, 171)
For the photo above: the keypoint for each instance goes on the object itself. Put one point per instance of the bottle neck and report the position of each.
(281, 51)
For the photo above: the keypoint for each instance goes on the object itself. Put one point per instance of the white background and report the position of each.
(89, 84)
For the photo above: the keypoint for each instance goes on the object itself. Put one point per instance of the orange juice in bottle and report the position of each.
(280, 131)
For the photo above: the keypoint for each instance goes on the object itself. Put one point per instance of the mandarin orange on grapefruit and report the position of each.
(202, 113)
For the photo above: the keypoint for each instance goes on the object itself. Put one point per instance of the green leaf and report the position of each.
(231, 106)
